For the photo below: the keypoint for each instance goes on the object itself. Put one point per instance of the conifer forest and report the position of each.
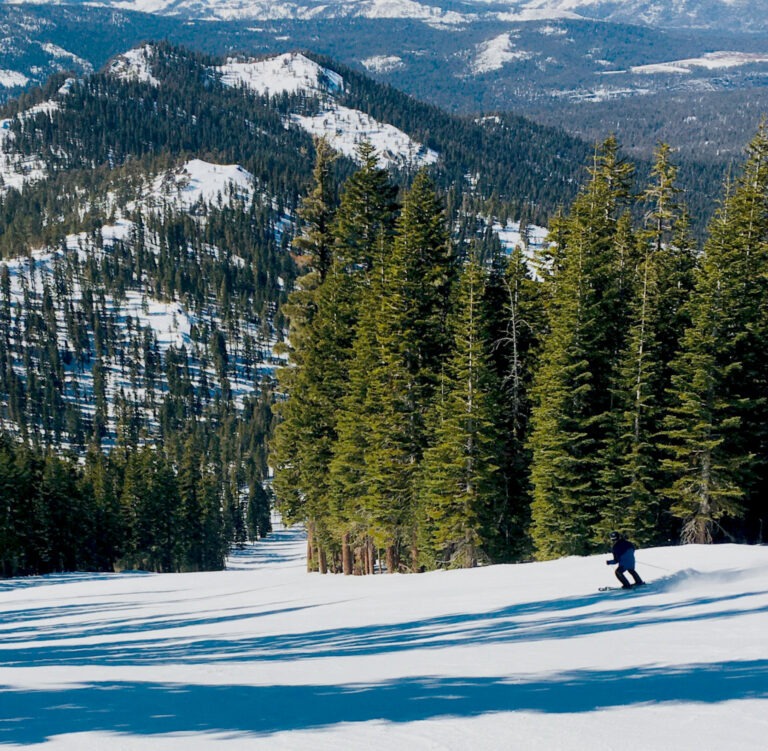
(447, 408)
(353, 347)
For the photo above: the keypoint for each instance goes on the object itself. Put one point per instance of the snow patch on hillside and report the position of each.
(524, 15)
(10, 79)
(17, 169)
(511, 236)
(346, 128)
(135, 65)
(411, 10)
(290, 73)
(383, 63)
(710, 61)
(200, 181)
(494, 53)
(60, 53)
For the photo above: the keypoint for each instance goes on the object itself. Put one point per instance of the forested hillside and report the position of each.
(146, 229)
(195, 245)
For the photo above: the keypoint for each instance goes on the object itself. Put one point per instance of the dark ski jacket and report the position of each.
(624, 554)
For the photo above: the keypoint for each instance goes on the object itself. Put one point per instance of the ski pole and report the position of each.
(661, 568)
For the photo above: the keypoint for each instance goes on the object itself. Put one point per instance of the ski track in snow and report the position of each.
(267, 656)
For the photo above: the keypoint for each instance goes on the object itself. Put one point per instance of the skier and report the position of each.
(624, 554)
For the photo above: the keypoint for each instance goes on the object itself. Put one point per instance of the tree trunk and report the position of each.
(415, 559)
(311, 564)
(346, 555)
(391, 559)
(322, 562)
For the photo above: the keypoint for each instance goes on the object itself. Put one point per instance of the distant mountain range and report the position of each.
(719, 15)
(694, 74)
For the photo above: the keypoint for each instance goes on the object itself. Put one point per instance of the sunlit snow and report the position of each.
(16, 168)
(197, 181)
(710, 61)
(11, 78)
(136, 64)
(382, 63)
(266, 657)
(289, 73)
(346, 128)
(494, 53)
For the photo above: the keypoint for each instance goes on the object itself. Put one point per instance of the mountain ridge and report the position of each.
(584, 75)
(689, 14)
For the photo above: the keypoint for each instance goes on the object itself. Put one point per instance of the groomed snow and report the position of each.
(265, 656)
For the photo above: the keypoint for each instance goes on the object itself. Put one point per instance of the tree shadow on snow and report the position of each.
(534, 621)
(281, 549)
(135, 708)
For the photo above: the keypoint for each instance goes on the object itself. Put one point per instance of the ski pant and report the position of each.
(623, 579)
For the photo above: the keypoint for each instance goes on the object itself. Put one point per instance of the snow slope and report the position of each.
(266, 656)
(289, 73)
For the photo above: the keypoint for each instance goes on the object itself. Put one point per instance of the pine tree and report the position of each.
(317, 211)
(572, 391)
(459, 473)
(660, 263)
(399, 348)
(100, 481)
(515, 310)
(326, 325)
(366, 215)
(716, 426)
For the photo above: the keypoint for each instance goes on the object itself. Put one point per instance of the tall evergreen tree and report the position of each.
(326, 327)
(401, 341)
(366, 216)
(660, 264)
(572, 391)
(459, 473)
(716, 426)
(317, 211)
(515, 310)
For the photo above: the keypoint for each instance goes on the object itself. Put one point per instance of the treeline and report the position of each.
(150, 508)
(444, 409)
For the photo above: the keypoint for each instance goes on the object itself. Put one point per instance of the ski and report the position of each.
(621, 589)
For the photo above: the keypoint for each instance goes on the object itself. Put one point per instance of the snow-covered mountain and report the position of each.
(553, 60)
(192, 188)
(703, 14)
(146, 250)
(293, 73)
